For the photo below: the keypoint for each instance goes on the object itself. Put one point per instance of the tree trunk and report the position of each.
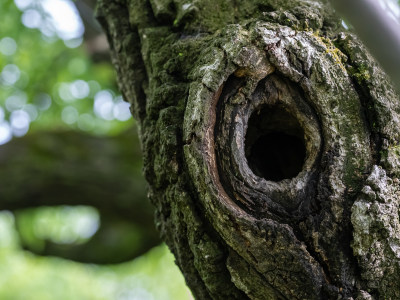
(271, 146)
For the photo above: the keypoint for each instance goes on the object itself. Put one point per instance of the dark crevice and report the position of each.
(265, 8)
(313, 253)
(370, 119)
(142, 77)
(368, 112)
(276, 156)
(274, 144)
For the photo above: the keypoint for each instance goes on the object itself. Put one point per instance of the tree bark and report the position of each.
(73, 168)
(271, 145)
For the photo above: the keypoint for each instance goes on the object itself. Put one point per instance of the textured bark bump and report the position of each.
(375, 213)
(375, 217)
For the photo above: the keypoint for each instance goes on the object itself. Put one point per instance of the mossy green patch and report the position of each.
(360, 73)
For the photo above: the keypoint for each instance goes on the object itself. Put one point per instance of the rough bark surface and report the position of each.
(271, 146)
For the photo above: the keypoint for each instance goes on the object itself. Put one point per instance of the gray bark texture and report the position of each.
(271, 146)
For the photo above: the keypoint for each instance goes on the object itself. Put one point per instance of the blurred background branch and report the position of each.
(377, 23)
(95, 40)
(53, 168)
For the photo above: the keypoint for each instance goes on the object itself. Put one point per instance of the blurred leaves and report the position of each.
(25, 276)
(61, 224)
(48, 81)
(44, 84)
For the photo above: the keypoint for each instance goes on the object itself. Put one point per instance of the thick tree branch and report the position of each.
(73, 168)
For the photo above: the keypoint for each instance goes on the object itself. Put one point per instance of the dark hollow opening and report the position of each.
(274, 144)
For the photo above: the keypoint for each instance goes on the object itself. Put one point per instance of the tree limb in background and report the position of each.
(94, 37)
(378, 28)
(73, 168)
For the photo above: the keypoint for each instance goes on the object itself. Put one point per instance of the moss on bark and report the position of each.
(205, 67)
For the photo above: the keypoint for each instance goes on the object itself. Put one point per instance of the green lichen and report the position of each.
(331, 50)
(360, 73)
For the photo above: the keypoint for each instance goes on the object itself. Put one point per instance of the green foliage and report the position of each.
(45, 85)
(55, 85)
(152, 276)
(60, 224)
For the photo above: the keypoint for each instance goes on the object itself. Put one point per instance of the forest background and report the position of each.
(63, 128)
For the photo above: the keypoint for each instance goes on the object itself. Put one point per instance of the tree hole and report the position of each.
(274, 144)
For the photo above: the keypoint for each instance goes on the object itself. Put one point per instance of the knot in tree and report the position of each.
(271, 146)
